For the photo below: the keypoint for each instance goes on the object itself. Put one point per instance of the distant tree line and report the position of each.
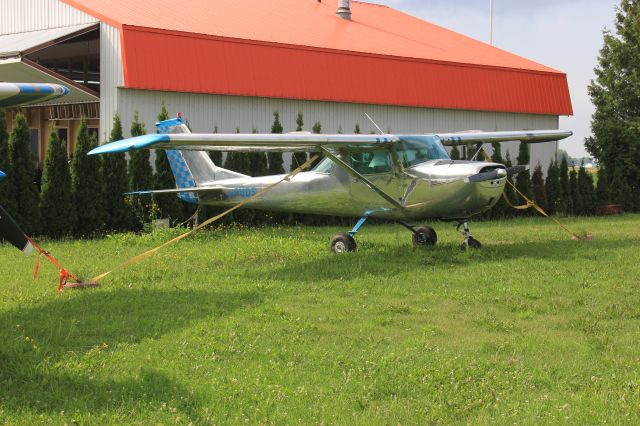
(85, 197)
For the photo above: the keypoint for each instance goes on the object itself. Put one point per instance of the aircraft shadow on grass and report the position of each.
(383, 261)
(31, 382)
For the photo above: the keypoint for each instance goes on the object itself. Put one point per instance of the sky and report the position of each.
(563, 34)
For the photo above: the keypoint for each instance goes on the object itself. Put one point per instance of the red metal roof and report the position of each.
(300, 49)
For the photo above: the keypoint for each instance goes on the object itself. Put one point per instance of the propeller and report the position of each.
(10, 231)
(490, 175)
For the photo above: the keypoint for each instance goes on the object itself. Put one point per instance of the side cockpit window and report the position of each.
(371, 162)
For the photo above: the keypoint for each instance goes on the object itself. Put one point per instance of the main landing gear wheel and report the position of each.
(343, 243)
(424, 236)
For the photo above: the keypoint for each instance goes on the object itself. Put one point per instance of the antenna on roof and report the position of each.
(491, 22)
(374, 123)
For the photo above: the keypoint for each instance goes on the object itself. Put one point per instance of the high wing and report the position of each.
(298, 141)
(309, 142)
(14, 94)
(527, 136)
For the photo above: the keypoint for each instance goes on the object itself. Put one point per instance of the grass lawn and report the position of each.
(266, 326)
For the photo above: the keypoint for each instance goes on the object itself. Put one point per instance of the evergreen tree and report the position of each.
(537, 184)
(85, 184)
(56, 199)
(357, 129)
(501, 208)
(566, 202)
(4, 155)
(455, 153)
(603, 192)
(552, 188)
(508, 189)
(523, 180)
(216, 156)
(258, 163)
(587, 192)
(140, 175)
(23, 198)
(115, 183)
(275, 158)
(238, 161)
(168, 205)
(298, 158)
(577, 207)
(317, 127)
(615, 93)
(620, 190)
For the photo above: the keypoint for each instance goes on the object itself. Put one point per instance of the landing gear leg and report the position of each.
(469, 241)
(422, 236)
(343, 243)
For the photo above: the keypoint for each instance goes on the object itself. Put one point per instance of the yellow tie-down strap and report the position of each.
(532, 204)
(207, 222)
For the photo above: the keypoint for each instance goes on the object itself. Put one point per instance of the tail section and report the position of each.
(192, 169)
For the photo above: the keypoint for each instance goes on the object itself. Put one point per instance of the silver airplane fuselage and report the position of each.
(436, 189)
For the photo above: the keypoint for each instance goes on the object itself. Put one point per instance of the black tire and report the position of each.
(343, 243)
(424, 236)
(473, 243)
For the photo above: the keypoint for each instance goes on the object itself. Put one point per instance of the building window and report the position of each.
(63, 134)
(93, 131)
(35, 146)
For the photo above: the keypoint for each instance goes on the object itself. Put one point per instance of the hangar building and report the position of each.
(231, 64)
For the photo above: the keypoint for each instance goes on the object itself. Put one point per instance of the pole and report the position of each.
(491, 22)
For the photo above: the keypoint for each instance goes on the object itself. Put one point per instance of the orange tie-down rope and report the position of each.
(207, 222)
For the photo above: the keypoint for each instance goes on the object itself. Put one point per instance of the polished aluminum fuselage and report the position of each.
(432, 190)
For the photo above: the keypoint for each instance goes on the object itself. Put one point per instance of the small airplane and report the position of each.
(403, 178)
(11, 95)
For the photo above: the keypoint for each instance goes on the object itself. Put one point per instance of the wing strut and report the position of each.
(360, 177)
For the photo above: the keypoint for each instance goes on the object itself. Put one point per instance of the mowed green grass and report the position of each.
(266, 326)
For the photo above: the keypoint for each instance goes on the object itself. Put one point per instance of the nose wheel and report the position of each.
(469, 241)
(343, 243)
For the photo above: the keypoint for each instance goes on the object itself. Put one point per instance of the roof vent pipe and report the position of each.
(344, 11)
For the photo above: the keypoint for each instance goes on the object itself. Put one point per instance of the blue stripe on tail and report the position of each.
(182, 175)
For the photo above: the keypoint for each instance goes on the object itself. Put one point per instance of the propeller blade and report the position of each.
(490, 175)
(516, 169)
(10, 231)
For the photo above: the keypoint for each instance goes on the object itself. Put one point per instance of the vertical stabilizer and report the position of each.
(191, 168)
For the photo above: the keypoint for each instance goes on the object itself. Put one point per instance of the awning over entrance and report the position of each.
(27, 58)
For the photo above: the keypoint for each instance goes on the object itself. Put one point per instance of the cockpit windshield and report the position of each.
(414, 150)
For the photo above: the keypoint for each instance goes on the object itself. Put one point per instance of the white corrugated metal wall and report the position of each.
(204, 112)
(111, 76)
(18, 16)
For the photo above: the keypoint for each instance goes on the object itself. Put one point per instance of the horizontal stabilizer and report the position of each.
(177, 190)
